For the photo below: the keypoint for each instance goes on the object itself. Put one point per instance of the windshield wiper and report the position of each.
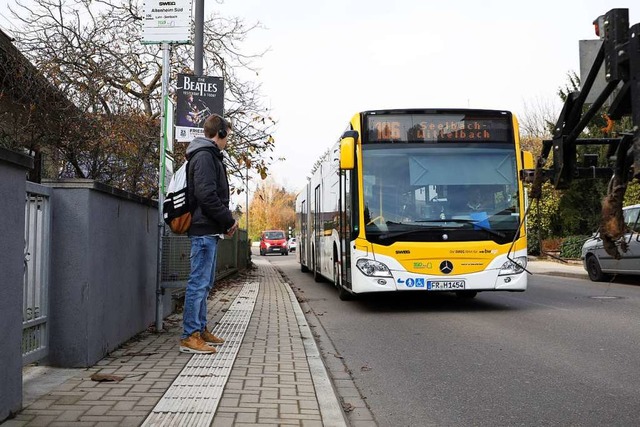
(385, 236)
(458, 221)
(475, 223)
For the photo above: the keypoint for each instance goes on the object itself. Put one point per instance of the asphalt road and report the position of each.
(565, 352)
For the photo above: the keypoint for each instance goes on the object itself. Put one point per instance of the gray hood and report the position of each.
(201, 142)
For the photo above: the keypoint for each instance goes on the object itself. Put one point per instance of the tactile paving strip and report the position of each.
(193, 397)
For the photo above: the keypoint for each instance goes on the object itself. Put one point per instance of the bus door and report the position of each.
(344, 227)
(302, 244)
(317, 232)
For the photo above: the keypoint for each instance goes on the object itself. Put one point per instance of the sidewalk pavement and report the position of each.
(570, 268)
(268, 372)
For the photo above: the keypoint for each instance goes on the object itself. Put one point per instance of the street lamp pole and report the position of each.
(246, 207)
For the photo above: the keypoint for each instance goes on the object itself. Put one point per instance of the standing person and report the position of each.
(210, 221)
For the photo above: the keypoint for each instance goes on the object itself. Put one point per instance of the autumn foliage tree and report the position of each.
(272, 207)
(92, 52)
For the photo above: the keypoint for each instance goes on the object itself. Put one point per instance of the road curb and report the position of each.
(562, 274)
(330, 407)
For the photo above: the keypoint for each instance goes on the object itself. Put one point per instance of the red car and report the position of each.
(273, 241)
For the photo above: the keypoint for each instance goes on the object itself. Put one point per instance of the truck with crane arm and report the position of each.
(619, 53)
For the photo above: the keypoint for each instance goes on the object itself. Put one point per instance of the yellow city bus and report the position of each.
(418, 200)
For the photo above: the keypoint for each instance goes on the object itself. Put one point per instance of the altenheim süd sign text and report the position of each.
(167, 22)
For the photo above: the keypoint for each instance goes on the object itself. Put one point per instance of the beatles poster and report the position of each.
(197, 97)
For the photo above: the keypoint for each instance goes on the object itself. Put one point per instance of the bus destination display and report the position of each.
(437, 128)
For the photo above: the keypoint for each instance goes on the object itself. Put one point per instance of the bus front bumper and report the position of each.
(402, 280)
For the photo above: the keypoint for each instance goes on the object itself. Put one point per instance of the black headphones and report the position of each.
(222, 132)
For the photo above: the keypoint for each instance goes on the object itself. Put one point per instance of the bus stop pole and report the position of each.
(161, 178)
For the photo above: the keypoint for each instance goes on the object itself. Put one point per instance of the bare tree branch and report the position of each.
(92, 51)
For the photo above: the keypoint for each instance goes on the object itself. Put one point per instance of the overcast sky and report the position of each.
(331, 59)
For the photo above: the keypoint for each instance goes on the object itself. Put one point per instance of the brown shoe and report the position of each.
(195, 344)
(209, 338)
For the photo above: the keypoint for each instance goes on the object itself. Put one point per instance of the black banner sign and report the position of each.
(197, 98)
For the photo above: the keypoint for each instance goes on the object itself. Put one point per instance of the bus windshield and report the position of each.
(412, 189)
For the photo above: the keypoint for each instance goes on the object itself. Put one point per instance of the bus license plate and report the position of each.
(445, 285)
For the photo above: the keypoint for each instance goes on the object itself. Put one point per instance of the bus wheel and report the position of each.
(303, 267)
(466, 294)
(316, 276)
(343, 294)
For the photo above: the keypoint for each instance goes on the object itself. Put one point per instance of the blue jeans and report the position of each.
(204, 251)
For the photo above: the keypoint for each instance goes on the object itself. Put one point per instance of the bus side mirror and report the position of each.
(528, 166)
(527, 160)
(347, 150)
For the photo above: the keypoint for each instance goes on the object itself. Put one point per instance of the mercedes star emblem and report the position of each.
(446, 267)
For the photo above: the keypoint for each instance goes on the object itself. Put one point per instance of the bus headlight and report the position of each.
(510, 267)
(373, 268)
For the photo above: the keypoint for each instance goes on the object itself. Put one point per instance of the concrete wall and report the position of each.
(103, 270)
(13, 168)
(102, 282)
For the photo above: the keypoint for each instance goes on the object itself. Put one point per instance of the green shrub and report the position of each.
(544, 213)
(632, 195)
(533, 244)
(572, 246)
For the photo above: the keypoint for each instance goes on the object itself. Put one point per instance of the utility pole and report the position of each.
(199, 38)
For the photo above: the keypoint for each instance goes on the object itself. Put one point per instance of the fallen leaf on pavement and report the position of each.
(106, 377)
(348, 407)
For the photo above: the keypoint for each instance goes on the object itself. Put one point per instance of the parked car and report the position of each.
(292, 244)
(600, 265)
(273, 241)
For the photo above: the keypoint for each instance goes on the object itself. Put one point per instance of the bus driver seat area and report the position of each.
(457, 199)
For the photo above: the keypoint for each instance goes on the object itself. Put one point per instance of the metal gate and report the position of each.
(35, 300)
(233, 255)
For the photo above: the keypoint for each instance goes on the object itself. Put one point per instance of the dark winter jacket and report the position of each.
(208, 189)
